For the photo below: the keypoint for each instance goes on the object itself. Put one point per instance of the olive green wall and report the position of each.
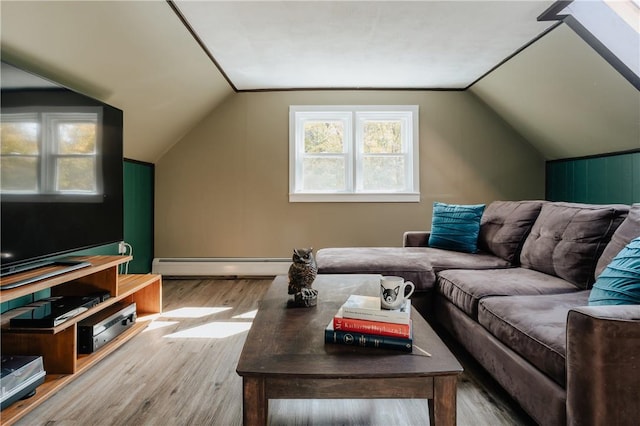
(222, 190)
(600, 180)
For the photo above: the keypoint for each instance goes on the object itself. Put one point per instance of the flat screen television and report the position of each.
(61, 171)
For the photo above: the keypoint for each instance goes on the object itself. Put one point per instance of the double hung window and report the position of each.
(50, 152)
(353, 153)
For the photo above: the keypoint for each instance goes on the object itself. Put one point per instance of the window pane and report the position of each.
(323, 137)
(19, 138)
(323, 174)
(382, 137)
(353, 153)
(383, 173)
(76, 174)
(19, 173)
(76, 138)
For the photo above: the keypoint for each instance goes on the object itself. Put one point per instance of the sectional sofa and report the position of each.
(520, 304)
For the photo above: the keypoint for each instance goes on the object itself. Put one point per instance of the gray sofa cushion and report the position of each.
(408, 263)
(567, 239)
(505, 225)
(533, 326)
(627, 231)
(446, 259)
(465, 288)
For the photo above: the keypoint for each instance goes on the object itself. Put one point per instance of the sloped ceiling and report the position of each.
(134, 55)
(564, 98)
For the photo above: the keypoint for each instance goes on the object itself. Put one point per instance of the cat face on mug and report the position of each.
(390, 295)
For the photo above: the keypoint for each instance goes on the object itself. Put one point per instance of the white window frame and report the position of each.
(354, 117)
(49, 119)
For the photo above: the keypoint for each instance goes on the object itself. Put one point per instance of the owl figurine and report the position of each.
(302, 274)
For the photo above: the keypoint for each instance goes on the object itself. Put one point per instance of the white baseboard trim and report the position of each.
(220, 266)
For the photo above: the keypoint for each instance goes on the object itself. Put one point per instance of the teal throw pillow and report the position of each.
(456, 227)
(619, 283)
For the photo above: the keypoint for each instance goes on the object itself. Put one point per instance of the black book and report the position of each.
(366, 340)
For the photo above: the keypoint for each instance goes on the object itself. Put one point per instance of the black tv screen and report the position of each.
(61, 170)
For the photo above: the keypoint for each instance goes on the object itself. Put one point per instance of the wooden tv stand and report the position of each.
(58, 345)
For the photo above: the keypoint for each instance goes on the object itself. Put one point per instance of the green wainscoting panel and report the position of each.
(611, 178)
(21, 301)
(138, 213)
(107, 249)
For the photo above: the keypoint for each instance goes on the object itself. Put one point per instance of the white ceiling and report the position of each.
(361, 44)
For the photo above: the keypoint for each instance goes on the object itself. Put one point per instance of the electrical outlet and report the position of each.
(122, 249)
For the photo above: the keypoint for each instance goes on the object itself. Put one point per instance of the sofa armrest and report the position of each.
(603, 365)
(416, 239)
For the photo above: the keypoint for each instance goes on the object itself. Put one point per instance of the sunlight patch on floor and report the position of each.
(247, 315)
(212, 330)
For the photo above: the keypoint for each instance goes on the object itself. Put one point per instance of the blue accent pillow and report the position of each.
(619, 283)
(456, 227)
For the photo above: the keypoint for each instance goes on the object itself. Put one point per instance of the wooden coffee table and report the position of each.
(285, 356)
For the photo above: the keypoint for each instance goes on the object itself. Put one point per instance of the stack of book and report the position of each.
(362, 322)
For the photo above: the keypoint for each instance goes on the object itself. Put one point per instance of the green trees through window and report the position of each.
(353, 153)
(49, 152)
(19, 150)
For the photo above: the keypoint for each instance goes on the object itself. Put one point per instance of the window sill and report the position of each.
(413, 197)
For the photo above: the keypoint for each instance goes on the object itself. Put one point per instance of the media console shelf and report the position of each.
(58, 345)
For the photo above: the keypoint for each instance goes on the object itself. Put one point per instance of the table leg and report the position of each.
(442, 409)
(255, 405)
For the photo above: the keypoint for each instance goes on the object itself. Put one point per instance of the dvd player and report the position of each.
(53, 311)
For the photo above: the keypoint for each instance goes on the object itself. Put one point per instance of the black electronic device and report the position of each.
(62, 181)
(21, 375)
(53, 311)
(84, 289)
(101, 295)
(101, 328)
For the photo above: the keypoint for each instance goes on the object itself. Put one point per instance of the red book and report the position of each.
(370, 327)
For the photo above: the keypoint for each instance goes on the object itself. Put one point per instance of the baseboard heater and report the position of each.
(220, 266)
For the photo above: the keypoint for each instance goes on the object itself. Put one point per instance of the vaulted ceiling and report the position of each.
(169, 64)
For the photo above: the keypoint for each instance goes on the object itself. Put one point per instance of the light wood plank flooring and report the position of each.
(181, 371)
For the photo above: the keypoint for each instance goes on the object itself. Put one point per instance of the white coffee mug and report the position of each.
(392, 292)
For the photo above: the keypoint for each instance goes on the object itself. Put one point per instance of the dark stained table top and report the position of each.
(290, 341)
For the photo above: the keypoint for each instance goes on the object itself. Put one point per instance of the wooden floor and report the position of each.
(181, 371)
